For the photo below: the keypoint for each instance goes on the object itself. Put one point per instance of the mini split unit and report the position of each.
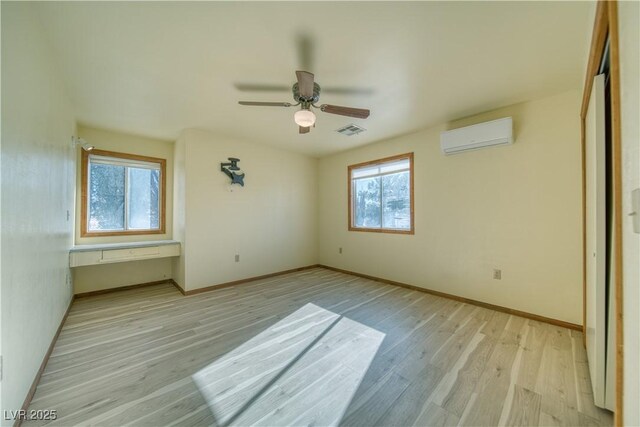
(495, 132)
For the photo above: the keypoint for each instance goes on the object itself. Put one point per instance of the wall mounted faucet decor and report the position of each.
(81, 142)
(230, 169)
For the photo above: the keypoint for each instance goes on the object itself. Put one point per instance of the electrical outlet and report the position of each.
(635, 205)
(237, 258)
(497, 274)
(339, 250)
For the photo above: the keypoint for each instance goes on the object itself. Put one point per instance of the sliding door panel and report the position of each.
(595, 161)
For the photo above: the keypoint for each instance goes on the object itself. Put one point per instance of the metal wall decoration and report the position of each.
(230, 169)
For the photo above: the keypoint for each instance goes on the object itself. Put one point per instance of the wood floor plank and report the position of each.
(332, 357)
(525, 409)
(556, 381)
(435, 416)
(532, 355)
(393, 357)
(493, 386)
(459, 394)
(368, 408)
(408, 406)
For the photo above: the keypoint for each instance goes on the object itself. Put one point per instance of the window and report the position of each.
(381, 195)
(122, 194)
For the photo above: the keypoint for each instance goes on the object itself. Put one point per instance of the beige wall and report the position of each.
(37, 192)
(179, 215)
(92, 278)
(516, 208)
(106, 276)
(629, 30)
(270, 222)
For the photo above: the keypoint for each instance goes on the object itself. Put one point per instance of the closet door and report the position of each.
(596, 281)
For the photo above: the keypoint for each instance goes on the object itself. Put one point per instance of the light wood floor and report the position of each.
(315, 347)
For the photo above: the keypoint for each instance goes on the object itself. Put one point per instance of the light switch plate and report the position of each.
(635, 206)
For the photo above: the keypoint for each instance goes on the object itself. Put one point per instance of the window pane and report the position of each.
(396, 201)
(144, 197)
(366, 193)
(394, 166)
(365, 171)
(106, 197)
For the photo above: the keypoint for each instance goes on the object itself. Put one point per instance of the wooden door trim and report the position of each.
(598, 39)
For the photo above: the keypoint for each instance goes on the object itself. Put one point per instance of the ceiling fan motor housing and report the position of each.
(301, 99)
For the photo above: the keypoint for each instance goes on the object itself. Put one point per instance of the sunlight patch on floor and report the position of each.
(304, 369)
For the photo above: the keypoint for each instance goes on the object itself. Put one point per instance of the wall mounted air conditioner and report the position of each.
(495, 132)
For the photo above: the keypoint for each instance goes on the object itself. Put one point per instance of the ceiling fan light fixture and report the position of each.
(304, 118)
(306, 93)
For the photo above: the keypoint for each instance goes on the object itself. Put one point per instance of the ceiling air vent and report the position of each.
(350, 130)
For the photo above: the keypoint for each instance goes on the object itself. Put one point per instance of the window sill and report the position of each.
(84, 234)
(382, 230)
(125, 245)
(106, 253)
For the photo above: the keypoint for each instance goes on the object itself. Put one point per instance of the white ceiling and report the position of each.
(157, 68)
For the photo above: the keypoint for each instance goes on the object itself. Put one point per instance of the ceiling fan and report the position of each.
(306, 93)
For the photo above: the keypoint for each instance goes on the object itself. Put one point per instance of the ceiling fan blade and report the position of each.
(255, 87)
(303, 129)
(305, 84)
(359, 113)
(265, 104)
